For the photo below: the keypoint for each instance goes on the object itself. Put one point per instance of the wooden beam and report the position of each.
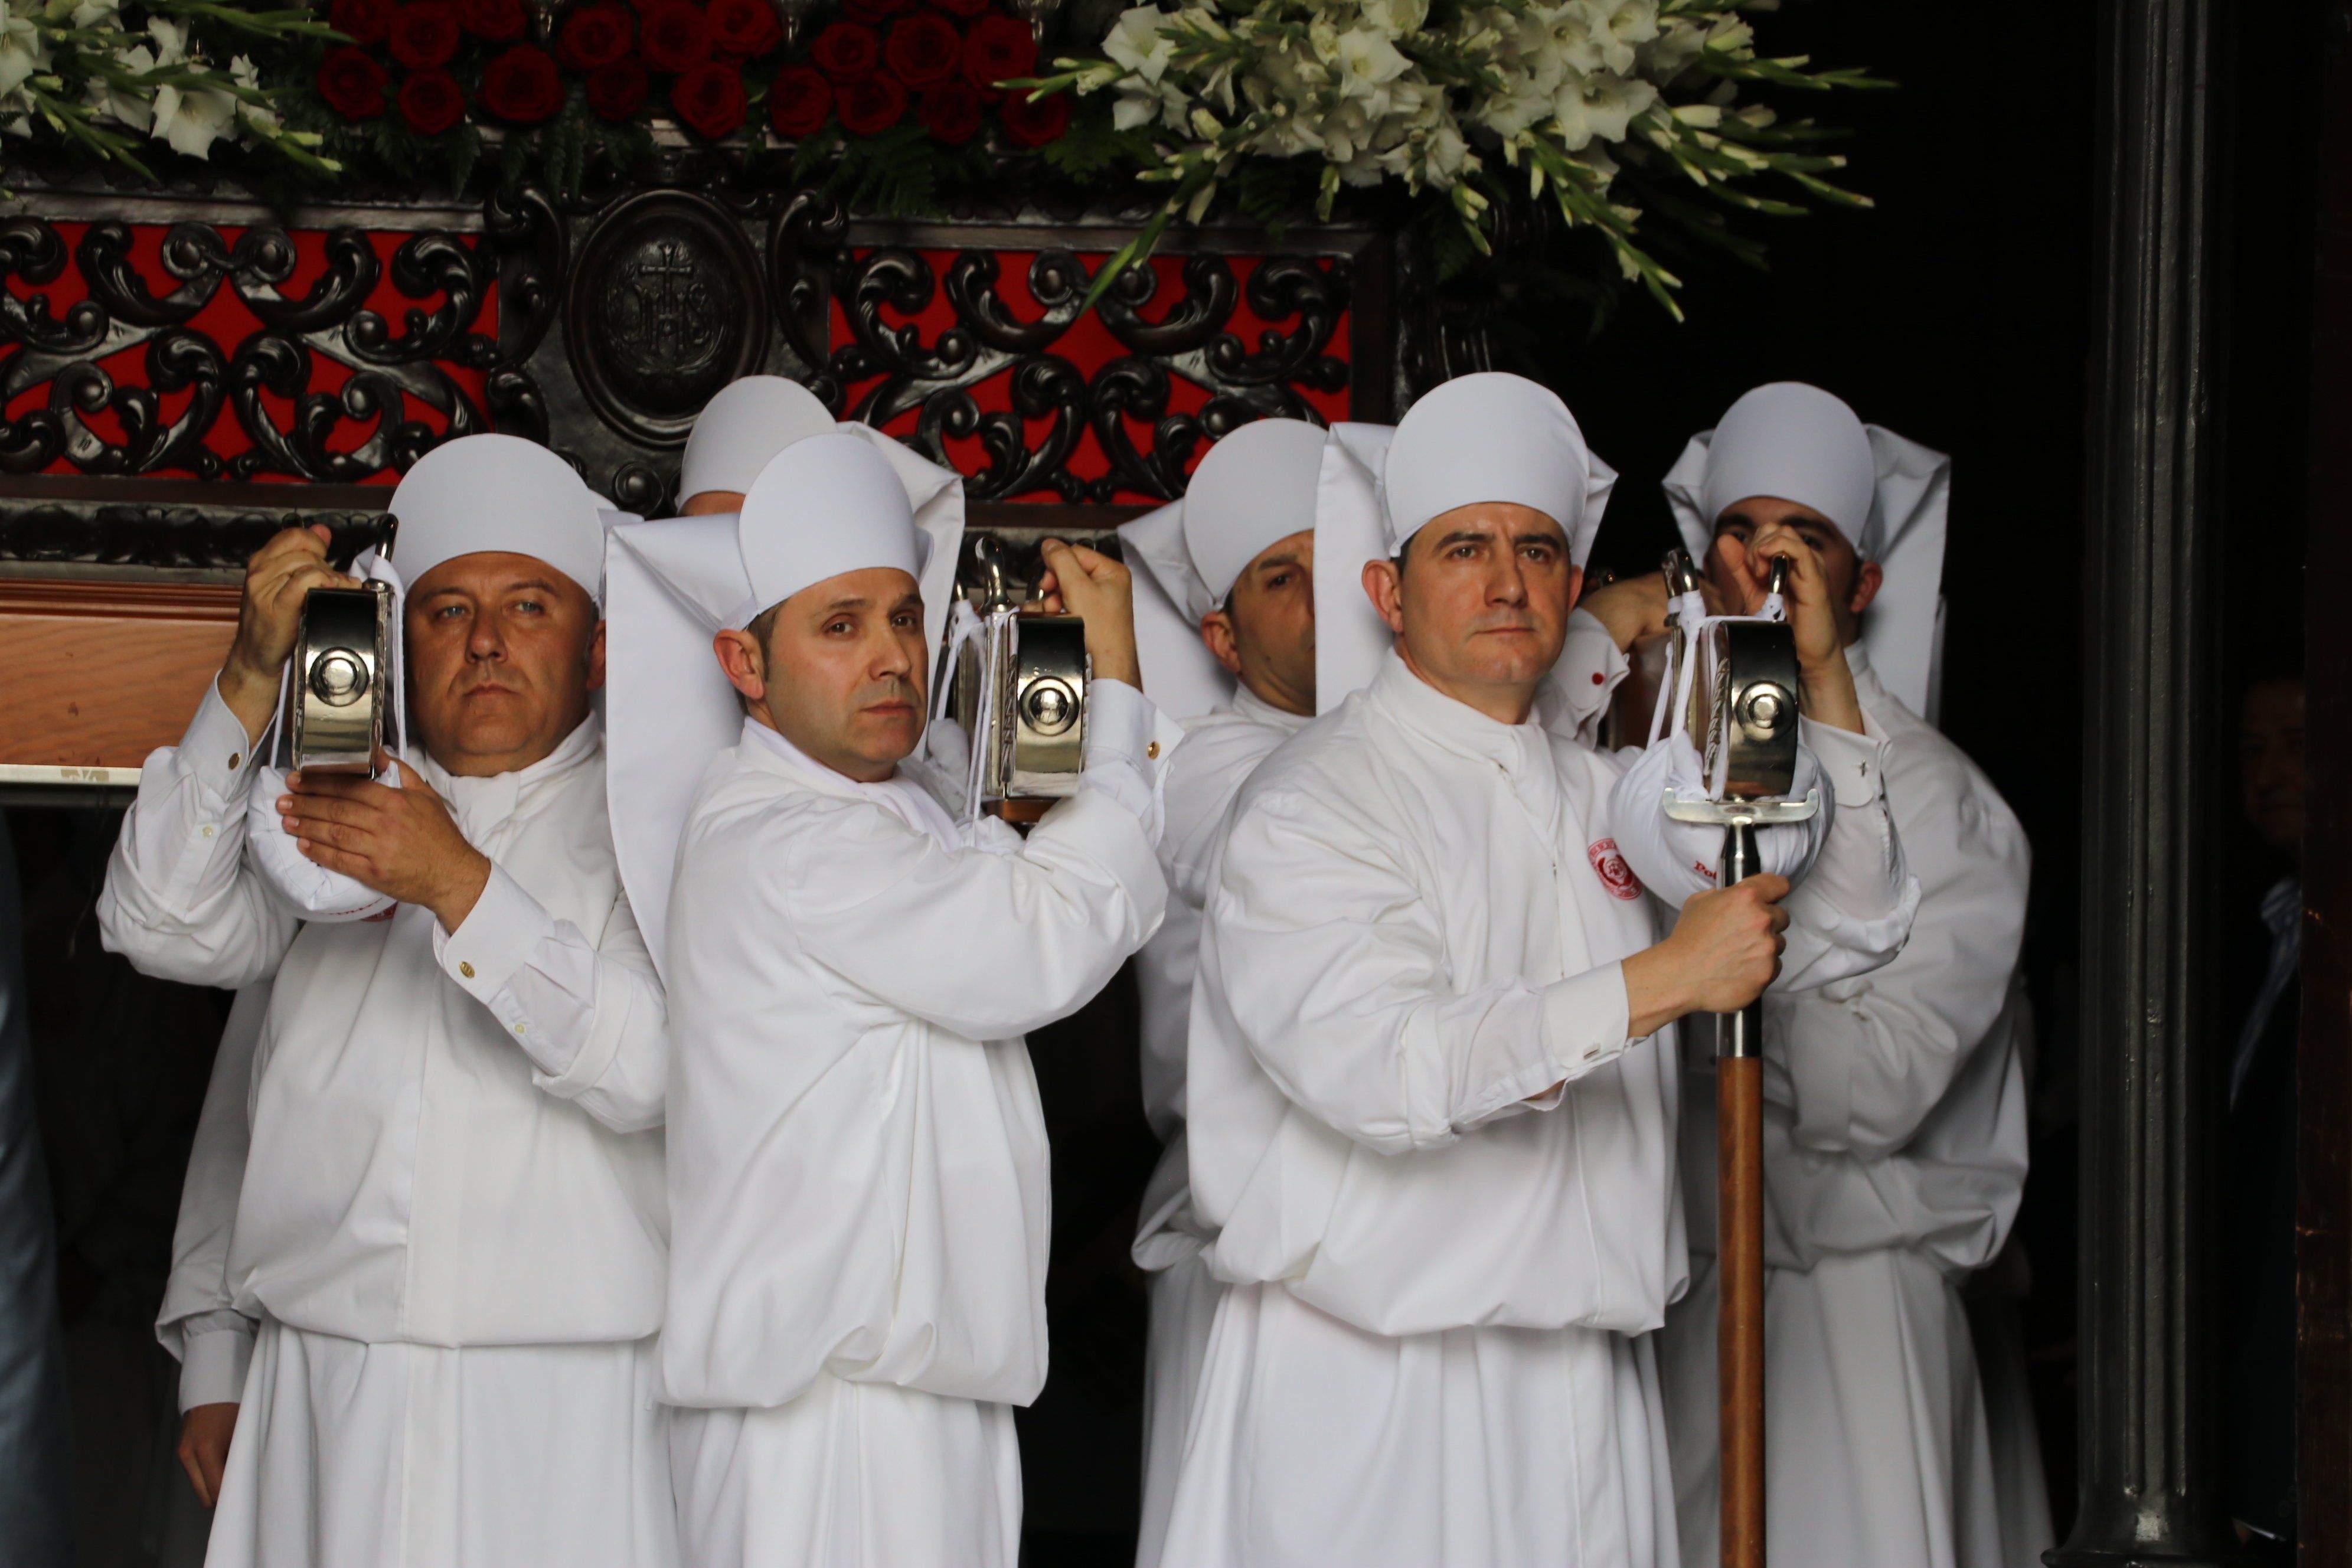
(100, 673)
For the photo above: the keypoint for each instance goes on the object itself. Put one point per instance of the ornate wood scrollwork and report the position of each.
(263, 377)
(888, 367)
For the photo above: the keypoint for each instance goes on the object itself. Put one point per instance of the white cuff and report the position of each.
(215, 752)
(213, 1365)
(1129, 744)
(499, 934)
(1855, 764)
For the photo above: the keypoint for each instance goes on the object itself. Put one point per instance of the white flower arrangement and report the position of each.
(103, 75)
(1456, 98)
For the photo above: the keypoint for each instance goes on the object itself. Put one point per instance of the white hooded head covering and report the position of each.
(1888, 496)
(821, 507)
(482, 493)
(676, 582)
(1494, 436)
(1255, 486)
(737, 431)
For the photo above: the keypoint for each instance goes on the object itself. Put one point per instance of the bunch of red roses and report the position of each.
(863, 71)
(943, 59)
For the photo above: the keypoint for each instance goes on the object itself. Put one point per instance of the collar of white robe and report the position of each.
(1888, 496)
(482, 493)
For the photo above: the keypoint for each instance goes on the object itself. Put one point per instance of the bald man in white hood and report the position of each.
(746, 424)
(1432, 1082)
(1235, 558)
(858, 1156)
(1895, 1151)
(448, 1230)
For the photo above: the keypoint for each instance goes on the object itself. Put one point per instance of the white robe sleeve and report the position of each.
(199, 1323)
(591, 1015)
(1853, 908)
(1870, 1059)
(984, 945)
(180, 903)
(1320, 954)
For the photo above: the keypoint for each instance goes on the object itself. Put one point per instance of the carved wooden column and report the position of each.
(2149, 1488)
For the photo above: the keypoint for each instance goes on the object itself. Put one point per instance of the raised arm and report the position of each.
(588, 1012)
(1322, 955)
(179, 901)
(988, 946)
(1870, 1059)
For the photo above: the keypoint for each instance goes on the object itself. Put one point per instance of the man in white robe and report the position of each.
(1236, 557)
(1895, 1150)
(1431, 1085)
(449, 1223)
(857, 1158)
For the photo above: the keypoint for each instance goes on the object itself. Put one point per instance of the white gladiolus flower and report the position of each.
(244, 73)
(1618, 25)
(1520, 106)
(1137, 43)
(1599, 109)
(1396, 17)
(1367, 63)
(171, 41)
(126, 105)
(95, 13)
(23, 51)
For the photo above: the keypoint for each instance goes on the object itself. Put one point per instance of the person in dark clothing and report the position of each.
(2258, 1195)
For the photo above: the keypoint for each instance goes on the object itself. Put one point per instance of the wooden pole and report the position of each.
(1739, 1252)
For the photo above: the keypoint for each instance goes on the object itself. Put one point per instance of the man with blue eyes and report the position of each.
(1894, 1136)
(857, 1170)
(1239, 563)
(1432, 1082)
(427, 1338)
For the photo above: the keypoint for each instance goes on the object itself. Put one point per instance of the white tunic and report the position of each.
(1221, 750)
(451, 1166)
(1894, 1157)
(1442, 1255)
(859, 1179)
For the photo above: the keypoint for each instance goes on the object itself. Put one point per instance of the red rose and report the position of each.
(708, 100)
(430, 102)
(424, 34)
(361, 21)
(799, 101)
(866, 108)
(997, 49)
(923, 50)
(617, 90)
(744, 29)
(846, 51)
(878, 11)
(675, 36)
(1028, 124)
(497, 20)
(594, 36)
(521, 85)
(950, 113)
(967, 8)
(351, 84)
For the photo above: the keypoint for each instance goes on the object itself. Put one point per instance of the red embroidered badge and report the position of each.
(1610, 866)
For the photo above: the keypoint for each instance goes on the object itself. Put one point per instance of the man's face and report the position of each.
(1740, 573)
(1480, 604)
(843, 670)
(2270, 763)
(503, 651)
(1265, 631)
